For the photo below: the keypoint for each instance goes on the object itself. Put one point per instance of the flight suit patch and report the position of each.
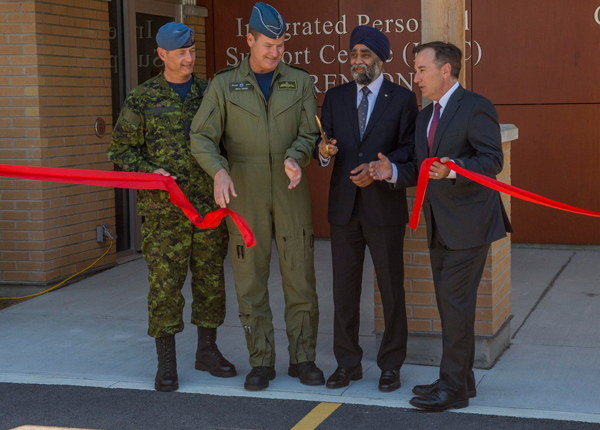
(240, 86)
(287, 85)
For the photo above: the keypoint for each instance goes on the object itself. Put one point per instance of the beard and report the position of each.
(369, 75)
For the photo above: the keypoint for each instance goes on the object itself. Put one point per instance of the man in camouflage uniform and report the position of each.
(152, 136)
(263, 111)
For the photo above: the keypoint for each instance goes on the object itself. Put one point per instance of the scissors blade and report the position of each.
(323, 135)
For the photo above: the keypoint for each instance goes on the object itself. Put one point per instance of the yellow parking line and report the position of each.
(315, 417)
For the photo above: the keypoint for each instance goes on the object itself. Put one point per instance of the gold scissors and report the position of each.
(323, 135)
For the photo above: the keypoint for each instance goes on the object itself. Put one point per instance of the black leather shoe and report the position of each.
(308, 372)
(166, 375)
(389, 380)
(343, 375)
(439, 400)
(208, 356)
(426, 390)
(259, 377)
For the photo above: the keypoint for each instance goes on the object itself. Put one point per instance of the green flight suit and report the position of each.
(258, 137)
(153, 132)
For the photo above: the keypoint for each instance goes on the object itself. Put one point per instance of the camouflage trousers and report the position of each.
(169, 245)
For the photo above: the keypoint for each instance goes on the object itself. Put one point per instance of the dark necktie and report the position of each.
(363, 110)
(433, 127)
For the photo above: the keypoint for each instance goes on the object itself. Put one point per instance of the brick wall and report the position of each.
(194, 17)
(54, 83)
(493, 298)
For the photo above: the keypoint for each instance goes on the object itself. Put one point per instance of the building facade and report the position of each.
(65, 69)
(67, 65)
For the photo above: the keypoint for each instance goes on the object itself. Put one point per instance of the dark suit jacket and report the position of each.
(467, 214)
(390, 130)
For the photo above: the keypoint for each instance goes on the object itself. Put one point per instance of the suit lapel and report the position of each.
(350, 103)
(385, 96)
(447, 115)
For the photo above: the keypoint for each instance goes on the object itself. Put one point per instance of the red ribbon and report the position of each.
(489, 183)
(131, 180)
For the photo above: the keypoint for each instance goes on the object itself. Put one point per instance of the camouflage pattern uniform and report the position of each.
(153, 132)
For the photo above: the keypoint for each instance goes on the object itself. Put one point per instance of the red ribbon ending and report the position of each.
(131, 180)
(489, 183)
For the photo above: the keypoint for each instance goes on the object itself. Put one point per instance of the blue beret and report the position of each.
(266, 20)
(174, 35)
(374, 39)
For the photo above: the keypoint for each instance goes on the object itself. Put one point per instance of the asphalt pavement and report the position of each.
(41, 406)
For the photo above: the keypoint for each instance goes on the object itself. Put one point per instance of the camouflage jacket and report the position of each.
(153, 132)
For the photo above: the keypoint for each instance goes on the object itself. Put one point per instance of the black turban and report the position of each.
(374, 39)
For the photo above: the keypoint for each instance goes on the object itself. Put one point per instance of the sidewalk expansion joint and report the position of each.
(546, 291)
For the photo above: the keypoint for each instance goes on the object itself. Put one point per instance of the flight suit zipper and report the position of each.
(268, 110)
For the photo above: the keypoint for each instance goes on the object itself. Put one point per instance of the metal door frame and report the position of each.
(168, 8)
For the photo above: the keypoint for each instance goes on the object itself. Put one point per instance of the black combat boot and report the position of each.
(308, 372)
(259, 377)
(208, 356)
(166, 375)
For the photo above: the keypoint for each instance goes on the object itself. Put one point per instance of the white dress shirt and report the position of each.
(443, 102)
(374, 86)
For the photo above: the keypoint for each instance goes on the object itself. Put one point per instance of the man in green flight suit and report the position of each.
(152, 136)
(263, 111)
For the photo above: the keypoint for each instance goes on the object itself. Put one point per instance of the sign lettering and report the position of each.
(328, 54)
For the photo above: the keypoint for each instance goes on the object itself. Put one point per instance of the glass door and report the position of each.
(133, 28)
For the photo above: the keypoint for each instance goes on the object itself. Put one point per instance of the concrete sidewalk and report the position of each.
(93, 333)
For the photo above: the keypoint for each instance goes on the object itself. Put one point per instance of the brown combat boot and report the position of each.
(166, 375)
(208, 356)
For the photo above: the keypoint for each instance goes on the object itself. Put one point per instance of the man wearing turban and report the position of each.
(367, 116)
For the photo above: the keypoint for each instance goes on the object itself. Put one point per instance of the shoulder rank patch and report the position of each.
(206, 89)
(226, 69)
(296, 67)
(240, 86)
(287, 85)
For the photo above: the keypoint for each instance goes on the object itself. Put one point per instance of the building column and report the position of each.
(492, 324)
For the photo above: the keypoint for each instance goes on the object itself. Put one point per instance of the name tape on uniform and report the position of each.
(240, 86)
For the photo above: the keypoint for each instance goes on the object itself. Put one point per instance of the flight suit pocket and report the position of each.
(286, 247)
(285, 105)
(308, 236)
(240, 254)
(247, 107)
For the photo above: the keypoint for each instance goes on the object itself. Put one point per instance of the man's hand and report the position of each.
(293, 171)
(223, 186)
(382, 169)
(330, 150)
(439, 170)
(361, 176)
(163, 172)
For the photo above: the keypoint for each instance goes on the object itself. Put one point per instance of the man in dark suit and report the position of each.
(365, 117)
(463, 217)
